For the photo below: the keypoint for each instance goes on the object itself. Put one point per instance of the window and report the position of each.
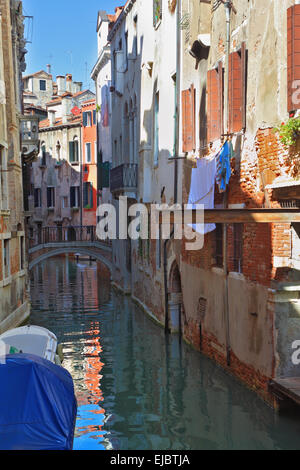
(215, 105)
(58, 148)
(74, 151)
(65, 202)
(87, 119)
(75, 196)
(237, 90)
(22, 263)
(3, 179)
(126, 51)
(6, 259)
(238, 247)
(43, 85)
(37, 197)
(51, 198)
(88, 195)
(88, 154)
(293, 54)
(219, 245)
(44, 161)
(116, 152)
(189, 119)
(156, 128)
(157, 12)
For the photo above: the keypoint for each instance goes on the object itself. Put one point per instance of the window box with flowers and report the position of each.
(289, 131)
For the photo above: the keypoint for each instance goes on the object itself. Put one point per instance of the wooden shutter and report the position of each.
(94, 117)
(84, 119)
(72, 196)
(36, 198)
(237, 90)
(189, 119)
(85, 194)
(215, 106)
(293, 56)
(91, 195)
(104, 174)
(71, 152)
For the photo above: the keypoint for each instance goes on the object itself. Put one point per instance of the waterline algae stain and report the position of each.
(137, 390)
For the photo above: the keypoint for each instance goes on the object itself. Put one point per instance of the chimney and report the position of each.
(66, 105)
(49, 69)
(69, 83)
(77, 87)
(61, 84)
(51, 117)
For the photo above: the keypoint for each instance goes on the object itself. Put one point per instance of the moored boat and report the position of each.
(37, 404)
(33, 340)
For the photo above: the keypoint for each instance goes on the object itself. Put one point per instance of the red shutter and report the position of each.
(236, 92)
(293, 55)
(215, 103)
(188, 120)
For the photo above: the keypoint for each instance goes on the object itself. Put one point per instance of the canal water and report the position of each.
(135, 389)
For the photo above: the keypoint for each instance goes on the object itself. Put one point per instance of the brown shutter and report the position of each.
(188, 120)
(293, 54)
(215, 91)
(244, 84)
(237, 93)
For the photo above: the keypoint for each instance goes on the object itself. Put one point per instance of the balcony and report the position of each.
(30, 137)
(124, 178)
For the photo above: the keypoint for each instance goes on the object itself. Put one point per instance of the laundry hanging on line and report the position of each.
(202, 190)
(224, 165)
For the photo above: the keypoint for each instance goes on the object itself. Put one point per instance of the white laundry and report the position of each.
(203, 190)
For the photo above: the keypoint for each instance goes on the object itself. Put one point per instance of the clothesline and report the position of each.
(209, 171)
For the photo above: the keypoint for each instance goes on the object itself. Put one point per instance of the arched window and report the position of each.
(58, 149)
(74, 151)
(43, 152)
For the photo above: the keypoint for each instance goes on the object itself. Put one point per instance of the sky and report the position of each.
(63, 34)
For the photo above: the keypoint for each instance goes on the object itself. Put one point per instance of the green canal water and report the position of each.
(135, 389)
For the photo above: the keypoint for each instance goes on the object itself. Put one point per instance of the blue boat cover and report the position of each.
(37, 404)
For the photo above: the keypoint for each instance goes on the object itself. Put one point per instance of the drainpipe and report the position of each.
(178, 97)
(167, 329)
(225, 226)
(176, 151)
(228, 12)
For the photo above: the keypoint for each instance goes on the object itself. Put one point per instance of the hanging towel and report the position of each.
(224, 166)
(203, 190)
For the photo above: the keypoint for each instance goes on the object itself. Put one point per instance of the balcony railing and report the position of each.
(30, 137)
(124, 177)
(65, 234)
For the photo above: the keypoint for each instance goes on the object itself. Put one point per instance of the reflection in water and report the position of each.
(137, 390)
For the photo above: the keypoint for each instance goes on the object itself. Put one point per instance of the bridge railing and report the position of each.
(63, 234)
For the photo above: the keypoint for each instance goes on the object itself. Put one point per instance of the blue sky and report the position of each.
(64, 35)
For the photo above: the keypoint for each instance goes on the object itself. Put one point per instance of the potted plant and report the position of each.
(289, 131)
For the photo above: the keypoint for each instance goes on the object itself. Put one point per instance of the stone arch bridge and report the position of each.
(53, 241)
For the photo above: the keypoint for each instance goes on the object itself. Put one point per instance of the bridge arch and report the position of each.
(70, 250)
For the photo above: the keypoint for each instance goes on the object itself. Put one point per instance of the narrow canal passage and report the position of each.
(135, 390)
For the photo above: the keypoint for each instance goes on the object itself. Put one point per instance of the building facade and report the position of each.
(56, 177)
(14, 301)
(185, 101)
(101, 74)
(89, 162)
